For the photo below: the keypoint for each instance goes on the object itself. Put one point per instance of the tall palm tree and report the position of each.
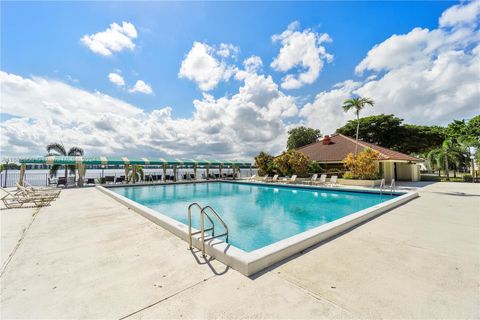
(134, 176)
(357, 103)
(58, 149)
(442, 157)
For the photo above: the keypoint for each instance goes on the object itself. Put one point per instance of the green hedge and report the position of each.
(429, 178)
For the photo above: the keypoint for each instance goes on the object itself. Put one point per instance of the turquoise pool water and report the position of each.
(256, 215)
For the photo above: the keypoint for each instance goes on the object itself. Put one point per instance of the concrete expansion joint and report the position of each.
(166, 298)
(24, 233)
(312, 294)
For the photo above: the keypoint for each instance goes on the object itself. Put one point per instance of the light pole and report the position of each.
(472, 157)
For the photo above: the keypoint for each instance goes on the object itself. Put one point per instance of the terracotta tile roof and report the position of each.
(341, 145)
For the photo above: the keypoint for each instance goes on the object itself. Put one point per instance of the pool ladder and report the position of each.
(203, 215)
(392, 186)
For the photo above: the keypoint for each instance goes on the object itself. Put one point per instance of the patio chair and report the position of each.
(252, 178)
(322, 180)
(333, 181)
(49, 190)
(289, 180)
(109, 179)
(28, 192)
(62, 181)
(274, 178)
(18, 200)
(90, 181)
(313, 179)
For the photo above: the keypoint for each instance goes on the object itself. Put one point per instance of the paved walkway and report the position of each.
(87, 256)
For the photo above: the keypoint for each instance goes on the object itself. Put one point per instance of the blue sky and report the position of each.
(166, 31)
(226, 78)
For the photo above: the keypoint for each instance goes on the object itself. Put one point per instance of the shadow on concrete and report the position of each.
(197, 254)
(458, 194)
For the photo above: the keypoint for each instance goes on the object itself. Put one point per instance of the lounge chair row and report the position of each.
(315, 180)
(27, 195)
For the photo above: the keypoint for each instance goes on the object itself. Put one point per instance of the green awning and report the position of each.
(169, 161)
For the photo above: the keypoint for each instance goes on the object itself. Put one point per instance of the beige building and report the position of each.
(331, 150)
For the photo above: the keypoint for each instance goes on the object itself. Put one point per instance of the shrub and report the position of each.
(264, 163)
(467, 178)
(313, 167)
(429, 178)
(348, 175)
(292, 162)
(362, 165)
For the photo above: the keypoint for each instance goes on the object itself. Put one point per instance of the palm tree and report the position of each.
(58, 149)
(134, 176)
(442, 157)
(357, 103)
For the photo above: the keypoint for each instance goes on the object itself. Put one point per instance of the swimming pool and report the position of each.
(256, 215)
(266, 222)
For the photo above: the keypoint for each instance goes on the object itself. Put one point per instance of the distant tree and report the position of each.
(357, 104)
(416, 139)
(301, 136)
(389, 131)
(57, 149)
(441, 158)
(380, 129)
(264, 163)
(292, 162)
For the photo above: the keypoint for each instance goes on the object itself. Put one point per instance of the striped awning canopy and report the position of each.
(170, 161)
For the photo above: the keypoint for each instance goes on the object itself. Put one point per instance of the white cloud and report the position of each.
(423, 76)
(228, 50)
(45, 110)
(116, 79)
(201, 66)
(252, 65)
(142, 87)
(460, 14)
(115, 39)
(300, 49)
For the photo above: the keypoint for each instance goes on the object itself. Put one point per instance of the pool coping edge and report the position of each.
(249, 263)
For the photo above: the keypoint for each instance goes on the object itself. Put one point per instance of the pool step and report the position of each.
(203, 214)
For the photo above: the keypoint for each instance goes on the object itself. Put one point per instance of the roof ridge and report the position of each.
(360, 142)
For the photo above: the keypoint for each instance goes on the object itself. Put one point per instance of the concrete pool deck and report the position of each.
(88, 256)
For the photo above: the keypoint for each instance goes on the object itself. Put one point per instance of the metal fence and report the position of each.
(40, 179)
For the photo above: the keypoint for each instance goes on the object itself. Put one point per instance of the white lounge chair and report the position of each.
(313, 179)
(333, 181)
(290, 180)
(322, 180)
(274, 178)
(252, 178)
(28, 192)
(18, 200)
(50, 190)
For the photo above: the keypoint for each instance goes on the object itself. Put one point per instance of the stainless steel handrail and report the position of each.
(202, 213)
(190, 234)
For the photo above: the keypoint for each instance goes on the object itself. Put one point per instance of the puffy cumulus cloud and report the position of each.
(460, 14)
(116, 79)
(300, 49)
(116, 38)
(206, 66)
(252, 65)
(228, 50)
(44, 110)
(423, 76)
(141, 87)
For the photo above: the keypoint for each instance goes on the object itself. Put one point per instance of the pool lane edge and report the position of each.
(249, 263)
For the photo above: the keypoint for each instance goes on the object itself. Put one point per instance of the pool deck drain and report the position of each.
(88, 256)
